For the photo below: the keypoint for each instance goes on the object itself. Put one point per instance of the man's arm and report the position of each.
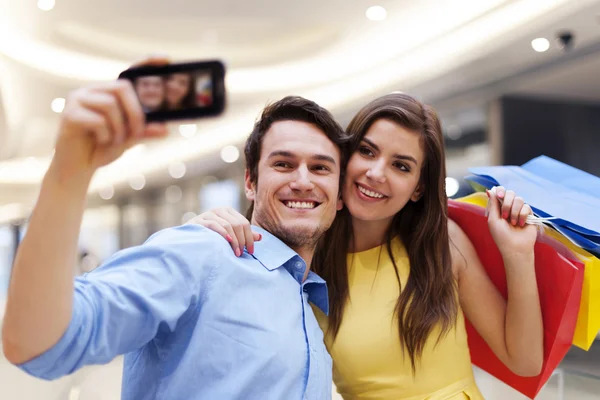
(40, 295)
(98, 124)
(139, 294)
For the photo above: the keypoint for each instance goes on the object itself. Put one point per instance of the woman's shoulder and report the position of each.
(459, 246)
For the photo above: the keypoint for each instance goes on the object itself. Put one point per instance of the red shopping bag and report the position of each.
(559, 279)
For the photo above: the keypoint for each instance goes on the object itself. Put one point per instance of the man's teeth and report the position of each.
(370, 193)
(300, 204)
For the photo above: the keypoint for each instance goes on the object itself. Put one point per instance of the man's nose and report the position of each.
(302, 180)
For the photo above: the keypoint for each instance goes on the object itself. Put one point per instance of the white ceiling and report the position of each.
(452, 52)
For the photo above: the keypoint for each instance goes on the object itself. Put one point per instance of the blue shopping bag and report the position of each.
(553, 189)
(564, 174)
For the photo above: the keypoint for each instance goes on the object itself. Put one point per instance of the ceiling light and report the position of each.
(452, 186)
(540, 44)
(173, 194)
(45, 5)
(454, 132)
(230, 154)
(58, 105)
(107, 192)
(137, 182)
(376, 13)
(188, 130)
(482, 21)
(177, 170)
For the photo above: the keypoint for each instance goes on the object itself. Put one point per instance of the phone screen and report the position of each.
(179, 91)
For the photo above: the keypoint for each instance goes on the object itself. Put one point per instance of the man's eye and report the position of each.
(281, 164)
(322, 168)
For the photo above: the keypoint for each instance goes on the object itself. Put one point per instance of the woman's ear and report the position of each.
(418, 193)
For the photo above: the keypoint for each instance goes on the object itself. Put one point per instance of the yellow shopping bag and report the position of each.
(588, 319)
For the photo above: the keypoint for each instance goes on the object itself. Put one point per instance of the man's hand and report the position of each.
(98, 124)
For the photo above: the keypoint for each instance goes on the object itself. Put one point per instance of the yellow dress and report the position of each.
(367, 355)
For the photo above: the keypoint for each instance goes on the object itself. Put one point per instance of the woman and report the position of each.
(400, 274)
(180, 90)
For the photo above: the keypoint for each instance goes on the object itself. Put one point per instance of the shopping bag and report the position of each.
(588, 319)
(559, 283)
(552, 189)
(564, 174)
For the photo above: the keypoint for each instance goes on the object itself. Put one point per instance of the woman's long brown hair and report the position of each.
(428, 299)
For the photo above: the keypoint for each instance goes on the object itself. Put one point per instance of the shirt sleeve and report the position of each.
(122, 305)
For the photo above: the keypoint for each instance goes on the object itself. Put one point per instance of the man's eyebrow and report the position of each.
(289, 154)
(396, 156)
(324, 157)
(281, 153)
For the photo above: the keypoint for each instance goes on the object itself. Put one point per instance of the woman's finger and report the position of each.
(218, 224)
(244, 226)
(507, 201)
(515, 210)
(524, 213)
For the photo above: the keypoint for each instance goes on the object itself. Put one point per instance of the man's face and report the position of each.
(150, 91)
(297, 191)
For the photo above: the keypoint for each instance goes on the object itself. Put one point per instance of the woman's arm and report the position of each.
(232, 225)
(513, 328)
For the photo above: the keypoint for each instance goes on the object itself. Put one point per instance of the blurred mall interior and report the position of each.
(511, 79)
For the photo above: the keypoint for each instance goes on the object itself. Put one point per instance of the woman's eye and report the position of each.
(402, 167)
(365, 151)
(281, 164)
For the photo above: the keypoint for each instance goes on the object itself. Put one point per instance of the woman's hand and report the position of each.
(232, 225)
(507, 216)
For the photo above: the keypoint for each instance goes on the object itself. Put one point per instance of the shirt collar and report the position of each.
(272, 253)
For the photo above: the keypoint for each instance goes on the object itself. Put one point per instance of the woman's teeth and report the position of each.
(370, 193)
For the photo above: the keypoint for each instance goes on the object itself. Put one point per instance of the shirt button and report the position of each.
(298, 266)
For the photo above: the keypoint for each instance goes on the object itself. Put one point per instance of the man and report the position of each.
(151, 92)
(194, 321)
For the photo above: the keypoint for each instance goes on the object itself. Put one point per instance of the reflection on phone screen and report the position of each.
(176, 91)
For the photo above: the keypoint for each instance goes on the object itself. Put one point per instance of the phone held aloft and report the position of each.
(179, 91)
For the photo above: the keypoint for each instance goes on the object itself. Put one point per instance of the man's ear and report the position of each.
(340, 203)
(418, 193)
(249, 187)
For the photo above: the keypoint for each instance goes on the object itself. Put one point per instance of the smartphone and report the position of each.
(179, 91)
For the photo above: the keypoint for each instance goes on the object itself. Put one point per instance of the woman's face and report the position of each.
(177, 88)
(383, 174)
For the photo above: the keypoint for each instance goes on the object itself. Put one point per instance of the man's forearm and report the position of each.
(40, 296)
(524, 327)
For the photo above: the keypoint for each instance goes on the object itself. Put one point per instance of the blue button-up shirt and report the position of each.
(197, 322)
